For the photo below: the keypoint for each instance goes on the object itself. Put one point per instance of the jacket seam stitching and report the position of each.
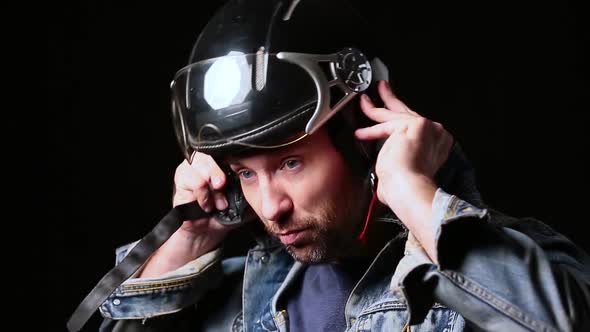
(146, 288)
(500, 304)
(163, 284)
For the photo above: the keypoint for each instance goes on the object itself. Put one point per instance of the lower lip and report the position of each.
(289, 239)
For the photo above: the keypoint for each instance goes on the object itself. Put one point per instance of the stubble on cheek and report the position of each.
(331, 235)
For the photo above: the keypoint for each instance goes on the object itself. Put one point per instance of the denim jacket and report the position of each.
(495, 273)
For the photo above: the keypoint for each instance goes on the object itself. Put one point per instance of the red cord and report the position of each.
(363, 233)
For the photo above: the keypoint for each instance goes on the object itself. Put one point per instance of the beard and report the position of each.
(330, 235)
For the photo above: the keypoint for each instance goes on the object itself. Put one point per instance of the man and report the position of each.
(371, 217)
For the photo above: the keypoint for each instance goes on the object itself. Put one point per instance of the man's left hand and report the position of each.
(413, 151)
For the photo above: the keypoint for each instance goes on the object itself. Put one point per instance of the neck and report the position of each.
(378, 233)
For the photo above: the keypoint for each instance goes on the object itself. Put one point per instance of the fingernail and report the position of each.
(216, 181)
(366, 98)
(221, 203)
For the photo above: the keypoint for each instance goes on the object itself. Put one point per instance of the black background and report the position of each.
(508, 80)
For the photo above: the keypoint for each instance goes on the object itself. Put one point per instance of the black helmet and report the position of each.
(266, 73)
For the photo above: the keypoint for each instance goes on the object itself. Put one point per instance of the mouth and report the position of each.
(291, 237)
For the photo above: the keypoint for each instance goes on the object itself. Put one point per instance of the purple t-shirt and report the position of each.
(317, 301)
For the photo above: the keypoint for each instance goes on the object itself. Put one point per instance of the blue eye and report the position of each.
(245, 174)
(291, 163)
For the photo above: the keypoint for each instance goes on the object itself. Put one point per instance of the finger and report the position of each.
(191, 185)
(379, 114)
(381, 130)
(220, 200)
(187, 178)
(390, 100)
(210, 170)
(197, 190)
(215, 177)
(366, 102)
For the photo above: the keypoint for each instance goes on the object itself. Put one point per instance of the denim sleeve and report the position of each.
(141, 298)
(500, 273)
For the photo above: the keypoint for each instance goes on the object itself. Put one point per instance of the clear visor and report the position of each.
(259, 100)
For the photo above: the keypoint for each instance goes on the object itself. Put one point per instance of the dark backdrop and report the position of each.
(509, 81)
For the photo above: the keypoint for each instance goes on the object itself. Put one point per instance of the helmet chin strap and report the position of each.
(136, 258)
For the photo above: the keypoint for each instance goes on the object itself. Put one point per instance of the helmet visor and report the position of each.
(257, 100)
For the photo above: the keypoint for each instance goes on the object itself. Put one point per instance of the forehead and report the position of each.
(318, 142)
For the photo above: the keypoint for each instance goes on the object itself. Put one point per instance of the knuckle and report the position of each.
(207, 164)
(450, 139)
(203, 197)
(191, 183)
(201, 159)
(206, 159)
(421, 122)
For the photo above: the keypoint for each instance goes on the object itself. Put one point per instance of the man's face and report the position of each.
(306, 196)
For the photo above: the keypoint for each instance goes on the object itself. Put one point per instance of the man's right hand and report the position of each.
(202, 181)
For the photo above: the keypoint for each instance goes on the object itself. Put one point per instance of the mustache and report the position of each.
(290, 224)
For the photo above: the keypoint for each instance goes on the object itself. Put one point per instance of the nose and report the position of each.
(275, 201)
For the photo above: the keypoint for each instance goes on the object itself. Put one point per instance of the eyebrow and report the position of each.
(234, 164)
(279, 154)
